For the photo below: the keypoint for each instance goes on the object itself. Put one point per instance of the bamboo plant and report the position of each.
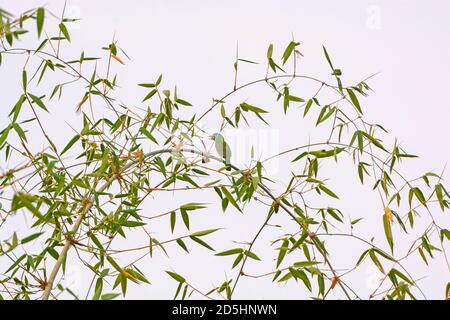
(82, 196)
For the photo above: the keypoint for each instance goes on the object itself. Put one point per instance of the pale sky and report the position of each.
(193, 44)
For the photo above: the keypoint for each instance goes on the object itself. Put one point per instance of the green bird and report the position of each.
(222, 148)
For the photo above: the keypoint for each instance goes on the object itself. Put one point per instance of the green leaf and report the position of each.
(183, 102)
(114, 264)
(38, 101)
(16, 110)
(71, 143)
(327, 57)
(422, 255)
(395, 273)
(24, 80)
(147, 85)
(376, 261)
(303, 264)
(289, 49)
(300, 274)
(286, 277)
(201, 242)
(270, 51)
(328, 191)
(326, 153)
(192, 206)
(133, 224)
(123, 284)
(109, 296)
(63, 29)
(353, 222)
(372, 140)
(182, 245)
(237, 260)
(230, 252)
(383, 254)
(388, 232)
(321, 284)
(325, 113)
(447, 292)
(148, 134)
(419, 195)
(362, 257)
(251, 255)
(354, 100)
(282, 251)
(98, 289)
(19, 131)
(296, 99)
(334, 214)
(445, 233)
(16, 262)
(185, 217)
(307, 107)
(203, 233)
(439, 194)
(285, 99)
(303, 154)
(40, 15)
(176, 276)
(150, 94)
(248, 107)
(31, 237)
(248, 61)
(230, 198)
(173, 218)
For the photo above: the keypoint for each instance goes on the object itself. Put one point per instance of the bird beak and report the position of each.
(211, 137)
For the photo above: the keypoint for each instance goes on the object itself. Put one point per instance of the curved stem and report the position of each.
(89, 199)
(67, 245)
(77, 224)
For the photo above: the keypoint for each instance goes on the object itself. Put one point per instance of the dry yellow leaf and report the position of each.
(86, 96)
(138, 154)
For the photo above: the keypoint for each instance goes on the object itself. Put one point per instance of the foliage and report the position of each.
(79, 203)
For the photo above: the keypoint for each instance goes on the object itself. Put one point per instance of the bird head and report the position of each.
(214, 136)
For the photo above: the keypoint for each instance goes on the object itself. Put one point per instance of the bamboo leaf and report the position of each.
(31, 237)
(173, 218)
(230, 252)
(388, 231)
(328, 191)
(38, 101)
(282, 251)
(354, 100)
(376, 261)
(251, 255)
(439, 194)
(230, 198)
(248, 107)
(185, 217)
(109, 296)
(24, 80)
(114, 264)
(202, 243)
(203, 233)
(288, 51)
(176, 276)
(70, 144)
(63, 29)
